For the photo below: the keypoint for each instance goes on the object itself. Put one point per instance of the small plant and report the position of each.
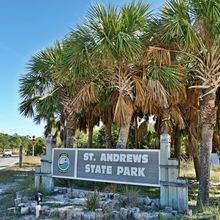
(130, 197)
(92, 201)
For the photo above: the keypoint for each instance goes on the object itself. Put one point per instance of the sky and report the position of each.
(26, 27)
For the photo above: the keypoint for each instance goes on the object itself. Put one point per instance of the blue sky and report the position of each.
(26, 26)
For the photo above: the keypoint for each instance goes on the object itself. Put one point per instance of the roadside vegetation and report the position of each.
(13, 142)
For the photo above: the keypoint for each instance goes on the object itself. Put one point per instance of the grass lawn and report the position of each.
(187, 171)
(29, 161)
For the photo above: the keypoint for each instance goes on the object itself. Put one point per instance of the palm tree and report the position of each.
(100, 52)
(110, 47)
(194, 27)
(42, 92)
(183, 107)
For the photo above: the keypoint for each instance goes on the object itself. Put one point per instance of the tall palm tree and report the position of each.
(102, 49)
(184, 105)
(42, 92)
(111, 44)
(194, 27)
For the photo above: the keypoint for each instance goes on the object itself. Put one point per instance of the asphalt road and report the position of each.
(7, 161)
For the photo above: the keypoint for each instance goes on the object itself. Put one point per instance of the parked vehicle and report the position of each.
(7, 153)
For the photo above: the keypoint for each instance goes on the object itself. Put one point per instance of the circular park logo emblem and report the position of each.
(63, 162)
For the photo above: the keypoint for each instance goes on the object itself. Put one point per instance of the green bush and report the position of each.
(99, 137)
(92, 201)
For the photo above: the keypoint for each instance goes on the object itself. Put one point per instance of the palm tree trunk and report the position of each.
(68, 140)
(90, 133)
(123, 135)
(90, 127)
(205, 151)
(108, 130)
(196, 165)
(68, 143)
(165, 127)
(193, 150)
(208, 120)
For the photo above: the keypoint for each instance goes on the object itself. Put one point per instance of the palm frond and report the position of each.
(122, 81)
(178, 97)
(139, 91)
(38, 88)
(168, 76)
(117, 31)
(79, 50)
(207, 17)
(26, 107)
(208, 71)
(123, 110)
(156, 96)
(86, 96)
(177, 116)
(158, 56)
(176, 23)
(135, 16)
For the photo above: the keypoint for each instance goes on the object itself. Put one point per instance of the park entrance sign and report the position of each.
(136, 167)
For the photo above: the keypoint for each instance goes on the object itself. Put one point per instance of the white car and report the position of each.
(7, 153)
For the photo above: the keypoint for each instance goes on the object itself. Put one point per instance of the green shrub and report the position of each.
(92, 201)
